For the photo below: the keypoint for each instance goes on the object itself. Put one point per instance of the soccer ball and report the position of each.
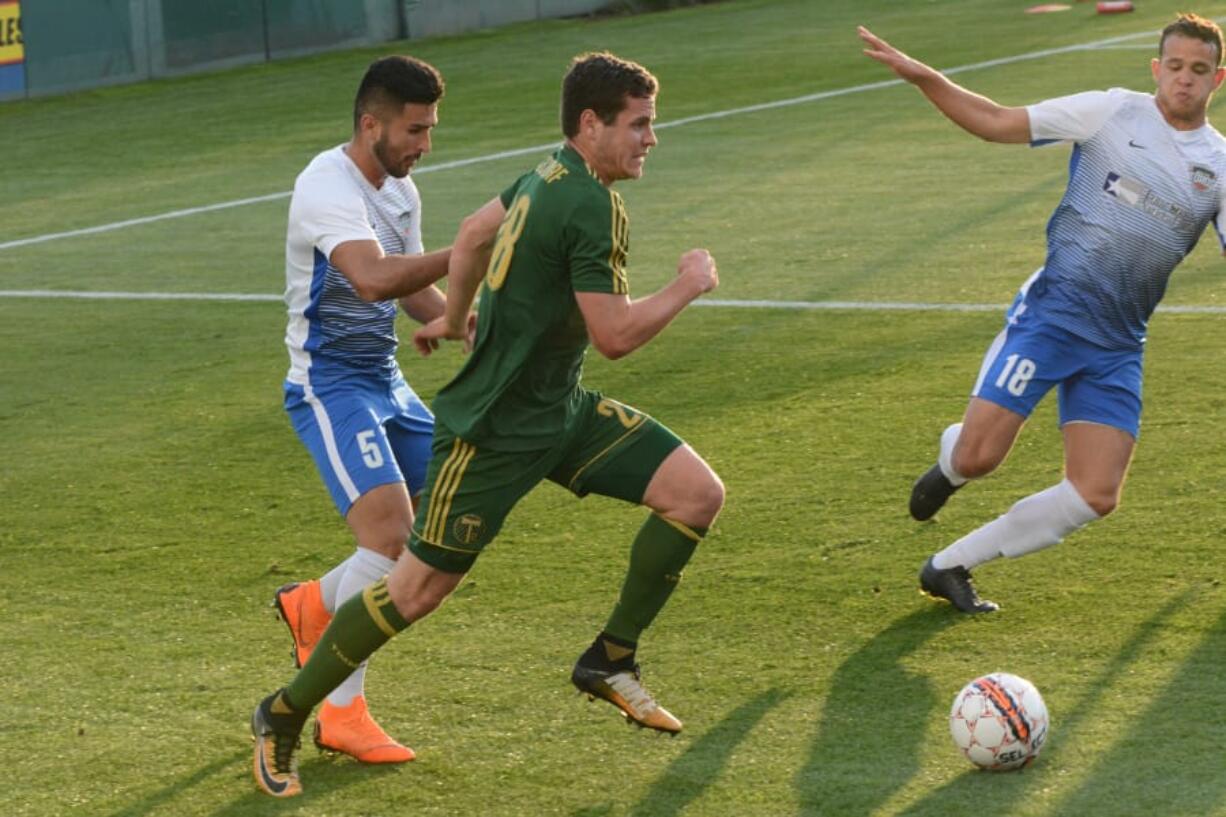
(999, 721)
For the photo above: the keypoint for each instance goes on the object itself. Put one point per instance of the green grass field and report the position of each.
(154, 494)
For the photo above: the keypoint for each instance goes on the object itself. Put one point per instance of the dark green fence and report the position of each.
(51, 46)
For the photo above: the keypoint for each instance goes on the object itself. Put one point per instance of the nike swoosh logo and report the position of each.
(1133, 144)
(267, 780)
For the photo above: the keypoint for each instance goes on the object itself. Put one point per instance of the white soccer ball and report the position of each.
(999, 721)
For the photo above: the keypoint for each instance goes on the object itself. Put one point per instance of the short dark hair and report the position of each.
(392, 83)
(599, 81)
(1194, 27)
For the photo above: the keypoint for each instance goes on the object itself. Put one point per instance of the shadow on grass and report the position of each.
(877, 712)
(180, 787)
(321, 774)
(324, 774)
(1186, 714)
(984, 787)
(687, 777)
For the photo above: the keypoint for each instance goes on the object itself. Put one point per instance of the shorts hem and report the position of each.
(441, 557)
(1131, 431)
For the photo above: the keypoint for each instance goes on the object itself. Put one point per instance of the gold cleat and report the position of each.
(624, 689)
(275, 764)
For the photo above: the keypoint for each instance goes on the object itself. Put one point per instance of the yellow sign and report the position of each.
(12, 50)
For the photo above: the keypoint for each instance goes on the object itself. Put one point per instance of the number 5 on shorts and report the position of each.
(371, 455)
(1015, 375)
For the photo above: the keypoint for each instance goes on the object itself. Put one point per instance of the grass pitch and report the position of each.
(155, 495)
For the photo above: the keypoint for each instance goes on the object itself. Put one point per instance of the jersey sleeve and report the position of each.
(1219, 220)
(330, 212)
(507, 196)
(413, 244)
(597, 239)
(1073, 118)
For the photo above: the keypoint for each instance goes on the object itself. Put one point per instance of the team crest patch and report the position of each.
(468, 529)
(1202, 178)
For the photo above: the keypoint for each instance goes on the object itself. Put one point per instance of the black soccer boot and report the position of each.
(929, 493)
(954, 585)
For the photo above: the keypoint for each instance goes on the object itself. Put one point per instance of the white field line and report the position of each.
(863, 306)
(506, 154)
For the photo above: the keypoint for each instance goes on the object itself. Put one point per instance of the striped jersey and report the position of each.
(1140, 194)
(331, 330)
(563, 232)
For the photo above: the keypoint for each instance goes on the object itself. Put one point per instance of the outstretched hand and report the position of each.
(889, 56)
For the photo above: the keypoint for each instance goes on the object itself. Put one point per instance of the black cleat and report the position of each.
(930, 493)
(954, 585)
(277, 732)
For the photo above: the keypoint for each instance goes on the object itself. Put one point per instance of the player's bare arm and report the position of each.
(968, 110)
(424, 305)
(470, 256)
(617, 326)
(376, 276)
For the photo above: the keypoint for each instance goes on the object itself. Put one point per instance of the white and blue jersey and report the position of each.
(1140, 194)
(345, 394)
(330, 327)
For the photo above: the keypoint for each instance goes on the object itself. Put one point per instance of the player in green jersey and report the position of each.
(552, 252)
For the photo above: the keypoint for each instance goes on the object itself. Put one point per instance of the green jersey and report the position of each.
(564, 232)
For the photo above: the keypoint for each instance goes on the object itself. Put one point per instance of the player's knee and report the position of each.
(1102, 502)
(415, 601)
(973, 462)
(388, 537)
(709, 499)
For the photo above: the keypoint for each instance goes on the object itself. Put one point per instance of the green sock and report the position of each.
(660, 550)
(361, 625)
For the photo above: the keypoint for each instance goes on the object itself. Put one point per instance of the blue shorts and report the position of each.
(363, 432)
(1029, 356)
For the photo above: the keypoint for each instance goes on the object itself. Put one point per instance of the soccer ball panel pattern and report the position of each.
(999, 722)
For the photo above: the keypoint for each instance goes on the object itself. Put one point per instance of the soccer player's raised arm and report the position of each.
(379, 277)
(617, 325)
(968, 110)
(470, 256)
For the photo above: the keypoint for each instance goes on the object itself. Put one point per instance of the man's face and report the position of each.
(1186, 75)
(404, 139)
(621, 148)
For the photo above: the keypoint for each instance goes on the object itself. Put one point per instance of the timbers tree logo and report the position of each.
(468, 528)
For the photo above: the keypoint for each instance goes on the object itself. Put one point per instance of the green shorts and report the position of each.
(610, 449)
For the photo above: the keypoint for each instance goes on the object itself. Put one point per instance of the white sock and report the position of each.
(949, 438)
(1033, 523)
(330, 582)
(362, 568)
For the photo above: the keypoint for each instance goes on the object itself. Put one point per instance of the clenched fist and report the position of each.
(698, 268)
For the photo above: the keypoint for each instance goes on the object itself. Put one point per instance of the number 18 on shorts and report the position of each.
(1097, 385)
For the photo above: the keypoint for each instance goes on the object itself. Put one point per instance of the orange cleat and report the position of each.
(352, 731)
(301, 607)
